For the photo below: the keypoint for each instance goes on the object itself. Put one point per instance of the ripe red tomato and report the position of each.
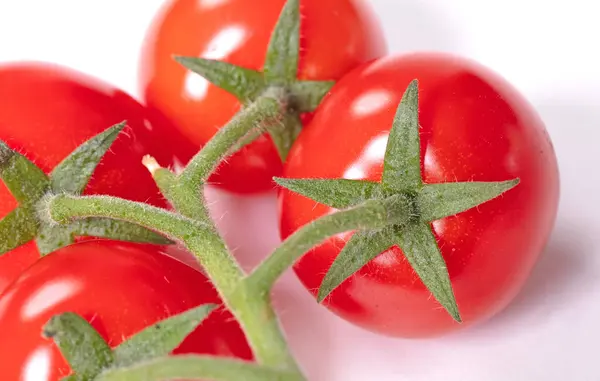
(474, 126)
(120, 289)
(46, 111)
(337, 35)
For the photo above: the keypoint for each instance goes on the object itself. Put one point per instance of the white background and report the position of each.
(547, 48)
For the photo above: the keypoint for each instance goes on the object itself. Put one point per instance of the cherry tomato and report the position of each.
(474, 127)
(120, 289)
(337, 35)
(46, 111)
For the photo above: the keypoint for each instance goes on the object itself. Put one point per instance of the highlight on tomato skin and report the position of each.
(336, 36)
(475, 126)
(120, 288)
(47, 110)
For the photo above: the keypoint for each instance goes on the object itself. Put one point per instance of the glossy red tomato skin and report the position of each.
(474, 127)
(15, 262)
(47, 110)
(337, 35)
(120, 288)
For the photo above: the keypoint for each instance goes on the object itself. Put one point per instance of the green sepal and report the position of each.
(74, 172)
(29, 184)
(309, 94)
(279, 73)
(360, 249)
(17, 228)
(81, 345)
(245, 84)
(447, 199)
(283, 53)
(336, 193)
(283, 134)
(162, 338)
(409, 206)
(423, 253)
(402, 162)
(24, 180)
(54, 237)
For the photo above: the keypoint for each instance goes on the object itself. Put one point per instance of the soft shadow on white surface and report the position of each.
(248, 223)
(564, 268)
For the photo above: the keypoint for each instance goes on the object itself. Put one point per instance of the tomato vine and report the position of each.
(397, 210)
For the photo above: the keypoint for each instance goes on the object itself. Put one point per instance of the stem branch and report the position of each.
(263, 328)
(186, 194)
(263, 110)
(371, 214)
(222, 268)
(249, 306)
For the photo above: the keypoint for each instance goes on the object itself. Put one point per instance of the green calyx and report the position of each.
(30, 186)
(279, 72)
(415, 206)
(89, 355)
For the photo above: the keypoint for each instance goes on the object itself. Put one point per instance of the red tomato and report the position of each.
(337, 35)
(120, 289)
(46, 111)
(474, 127)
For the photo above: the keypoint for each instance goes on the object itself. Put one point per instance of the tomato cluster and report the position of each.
(46, 112)
(474, 126)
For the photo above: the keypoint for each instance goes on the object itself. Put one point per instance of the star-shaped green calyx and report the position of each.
(29, 185)
(424, 203)
(279, 71)
(89, 355)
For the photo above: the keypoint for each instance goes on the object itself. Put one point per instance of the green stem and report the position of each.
(185, 197)
(64, 208)
(224, 271)
(263, 328)
(197, 368)
(253, 312)
(267, 109)
(371, 214)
